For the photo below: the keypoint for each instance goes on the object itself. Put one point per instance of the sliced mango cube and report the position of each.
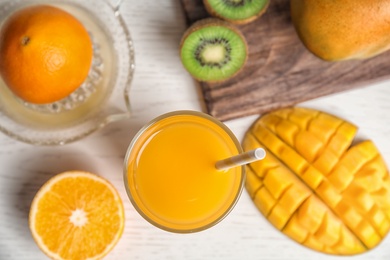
(326, 161)
(264, 201)
(313, 243)
(376, 217)
(253, 184)
(342, 139)
(311, 214)
(294, 197)
(277, 181)
(328, 194)
(348, 244)
(302, 116)
(308, 145)
(341, 178)
(329, 231)
(287, 131)
(367, 234)
(348, 214)
(324, 126)
(294, 230)
(359, 198)
(279, 216)
(312, 177)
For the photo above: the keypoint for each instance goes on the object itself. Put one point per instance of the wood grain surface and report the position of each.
(280, 71)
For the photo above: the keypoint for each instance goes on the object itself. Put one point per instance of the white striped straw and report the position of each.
(241, 159)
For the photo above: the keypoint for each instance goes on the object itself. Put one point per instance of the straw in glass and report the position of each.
(241, 159)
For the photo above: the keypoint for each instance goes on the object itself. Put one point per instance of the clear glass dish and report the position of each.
(101, 99)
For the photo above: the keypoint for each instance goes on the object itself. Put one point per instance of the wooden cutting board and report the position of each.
(280, 71)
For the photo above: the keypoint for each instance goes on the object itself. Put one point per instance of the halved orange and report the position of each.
(76, 215)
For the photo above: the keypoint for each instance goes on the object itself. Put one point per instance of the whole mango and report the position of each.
(342, 30)
(314, 186)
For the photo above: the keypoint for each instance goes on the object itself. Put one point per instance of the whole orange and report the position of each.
(45, 53)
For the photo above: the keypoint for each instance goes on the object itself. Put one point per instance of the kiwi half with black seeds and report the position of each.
(236, 11)
(213, 50)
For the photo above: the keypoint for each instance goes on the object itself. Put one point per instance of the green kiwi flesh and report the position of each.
(213, 50)
(236, 11)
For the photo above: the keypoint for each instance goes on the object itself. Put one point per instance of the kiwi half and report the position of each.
(236, 11)
(213, 50)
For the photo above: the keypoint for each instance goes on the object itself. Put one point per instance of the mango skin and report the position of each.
(336, 30)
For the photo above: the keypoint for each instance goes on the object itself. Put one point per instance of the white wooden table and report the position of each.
(161, 85)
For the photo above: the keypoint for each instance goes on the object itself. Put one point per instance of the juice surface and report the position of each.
(172, 174)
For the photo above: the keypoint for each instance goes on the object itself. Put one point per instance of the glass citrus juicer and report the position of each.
(102, 98)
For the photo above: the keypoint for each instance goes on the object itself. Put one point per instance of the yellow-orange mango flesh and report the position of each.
(341, 30)
(314, 186)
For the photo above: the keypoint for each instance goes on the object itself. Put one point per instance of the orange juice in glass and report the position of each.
(170, 174)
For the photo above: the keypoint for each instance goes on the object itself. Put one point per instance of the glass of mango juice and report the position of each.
(170, 174)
